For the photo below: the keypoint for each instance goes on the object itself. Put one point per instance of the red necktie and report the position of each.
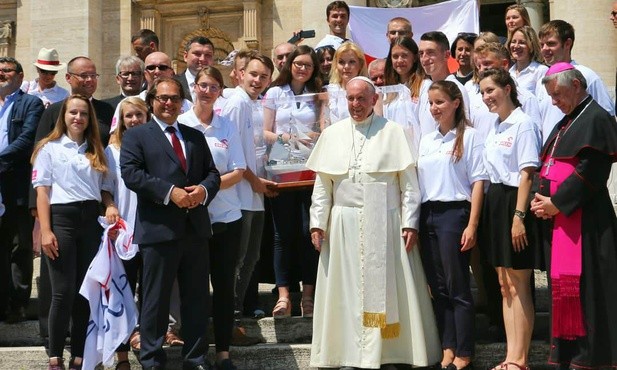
(175, 142)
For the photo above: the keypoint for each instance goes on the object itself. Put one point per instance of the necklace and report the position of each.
(562, 131)
(356, 156)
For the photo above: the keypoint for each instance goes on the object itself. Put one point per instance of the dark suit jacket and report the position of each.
(114, 101)
(150, 167)
(185, 86)
(15, 167)
(104, 114)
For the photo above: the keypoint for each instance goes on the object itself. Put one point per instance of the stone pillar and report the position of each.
(535, 8)
(252, 23)
(596, 38)
(6, 35)
(151, 19)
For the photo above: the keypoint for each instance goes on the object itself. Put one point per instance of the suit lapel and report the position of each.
(188, 145)
(163, 142)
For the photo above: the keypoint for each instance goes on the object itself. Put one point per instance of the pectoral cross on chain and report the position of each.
(550, 163)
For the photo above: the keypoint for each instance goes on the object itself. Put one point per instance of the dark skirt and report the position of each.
(496, 231)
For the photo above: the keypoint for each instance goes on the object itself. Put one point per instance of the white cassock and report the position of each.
(113, 313)
(372, 304)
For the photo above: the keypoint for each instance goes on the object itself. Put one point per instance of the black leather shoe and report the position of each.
(453, 367)
(225, 364)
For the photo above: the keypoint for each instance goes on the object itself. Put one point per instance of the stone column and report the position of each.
(535, 8)
(6, 35)
(252, 29)
(151, 19)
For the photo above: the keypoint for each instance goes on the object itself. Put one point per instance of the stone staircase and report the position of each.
(286, 342)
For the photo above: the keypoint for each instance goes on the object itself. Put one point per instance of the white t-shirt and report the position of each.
(224, 143)
(48, 96)
(331, 40)
(62, 165)
(511, 145)
(441, 179)
(239, 109)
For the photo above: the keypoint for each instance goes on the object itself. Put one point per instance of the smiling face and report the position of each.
(402, 61)
(463, 53)
(443, 109)
(432, 57)
(255, 78)
(555, 51)
(133, 115)
(489, 60)
(337, 21)
(519, 48)
(10, 80)
(76, 119)
(360, 100)
(302, 68)
(207, 90)
(168, 107)
(398, 29)
(514, 20)
(130, 78)
(198, 57)
(326, 62)
(81, 76)
(348, 66)
(493, 95)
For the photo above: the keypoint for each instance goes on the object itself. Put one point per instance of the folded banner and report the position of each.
(369, 25)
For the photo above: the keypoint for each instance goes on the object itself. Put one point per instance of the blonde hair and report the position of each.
(94, 151)
(335, 77)
(532, 41)
(137, 102)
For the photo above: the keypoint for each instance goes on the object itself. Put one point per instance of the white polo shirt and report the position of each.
(511, 145)
(441, 179)
(239, 110)
(48, 96)
(528, 78)
(291, 110)
(224, 143)
(62, 165)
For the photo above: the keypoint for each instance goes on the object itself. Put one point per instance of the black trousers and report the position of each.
(79, 235)
(188, 259)
(15, 259)
(447, 273)
(224, 247)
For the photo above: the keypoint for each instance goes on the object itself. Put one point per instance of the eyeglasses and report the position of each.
(161, 67)
(204, 87)
(128, 74)
(302, 65)
(44, 72)
(85, 76)
(164, 98)
(7, 70)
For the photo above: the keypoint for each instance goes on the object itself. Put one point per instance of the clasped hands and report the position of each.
(188, 197)
(543, 207)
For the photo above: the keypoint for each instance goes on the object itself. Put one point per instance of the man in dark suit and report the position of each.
(171, 169)
(82, 77)
(19, 116)
(198, 53)
(130, 78)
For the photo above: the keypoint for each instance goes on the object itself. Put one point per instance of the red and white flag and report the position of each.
(369, 25)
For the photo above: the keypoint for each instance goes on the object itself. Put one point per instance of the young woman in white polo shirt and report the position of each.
(451, 176)
(68, 170)
(224, 143)
(511, 155)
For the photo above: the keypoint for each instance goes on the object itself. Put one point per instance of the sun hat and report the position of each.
(48, 60)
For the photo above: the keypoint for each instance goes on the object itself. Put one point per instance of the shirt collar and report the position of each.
(164, 125)
(67, 142)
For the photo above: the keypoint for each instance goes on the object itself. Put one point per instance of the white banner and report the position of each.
(369, 25)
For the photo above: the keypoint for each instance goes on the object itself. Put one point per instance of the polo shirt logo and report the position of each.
(507, 143)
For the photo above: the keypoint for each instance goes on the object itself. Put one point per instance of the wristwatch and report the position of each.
(519, 214)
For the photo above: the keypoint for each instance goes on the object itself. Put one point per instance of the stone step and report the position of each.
(267, 357)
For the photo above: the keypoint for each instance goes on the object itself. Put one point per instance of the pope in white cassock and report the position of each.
(372, 304)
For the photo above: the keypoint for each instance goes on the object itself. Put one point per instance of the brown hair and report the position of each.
(417, 74)
(460, 119)
(94, 151)
(532, 41)
(522, 11)
(502, 78)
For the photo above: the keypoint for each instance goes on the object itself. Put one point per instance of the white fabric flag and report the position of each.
(369, 25)
(113, 313)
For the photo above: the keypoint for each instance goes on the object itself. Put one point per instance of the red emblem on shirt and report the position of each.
(223, 144)
(33, 175)
(507, 143)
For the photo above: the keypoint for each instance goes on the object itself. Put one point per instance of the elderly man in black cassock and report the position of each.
(581, 228)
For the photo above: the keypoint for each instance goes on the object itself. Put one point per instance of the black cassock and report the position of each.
(592, 139)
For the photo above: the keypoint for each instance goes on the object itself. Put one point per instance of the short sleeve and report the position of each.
(42, 168)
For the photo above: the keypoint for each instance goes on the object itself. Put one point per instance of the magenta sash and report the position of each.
(566, 259)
